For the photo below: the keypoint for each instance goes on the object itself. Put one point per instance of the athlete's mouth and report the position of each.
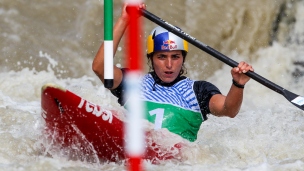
(168, 72)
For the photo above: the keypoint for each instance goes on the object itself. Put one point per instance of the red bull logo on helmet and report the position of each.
(169, 45)
(161, 39)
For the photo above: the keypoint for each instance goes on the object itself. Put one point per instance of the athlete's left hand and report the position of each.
(238, 73)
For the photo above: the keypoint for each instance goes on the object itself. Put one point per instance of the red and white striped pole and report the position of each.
(134, 132)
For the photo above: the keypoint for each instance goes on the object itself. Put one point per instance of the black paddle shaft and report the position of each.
(291, 97)
(208, 49)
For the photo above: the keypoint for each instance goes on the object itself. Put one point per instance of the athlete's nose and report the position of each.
(169, 63)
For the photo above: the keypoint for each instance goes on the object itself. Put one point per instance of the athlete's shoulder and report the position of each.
(205, 86)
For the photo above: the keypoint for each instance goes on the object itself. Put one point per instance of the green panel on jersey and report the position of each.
(183, 122)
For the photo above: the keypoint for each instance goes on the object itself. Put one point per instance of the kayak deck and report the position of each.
(87, 129)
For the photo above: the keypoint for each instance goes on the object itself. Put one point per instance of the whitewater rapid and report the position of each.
(267, 134)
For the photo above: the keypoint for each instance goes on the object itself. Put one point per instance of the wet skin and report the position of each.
(167, 64)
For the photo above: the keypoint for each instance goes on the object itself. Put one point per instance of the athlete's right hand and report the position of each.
(124, 13)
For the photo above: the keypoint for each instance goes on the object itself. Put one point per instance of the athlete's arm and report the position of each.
(230, 105)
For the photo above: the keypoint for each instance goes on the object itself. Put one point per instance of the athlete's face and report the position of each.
(167, 64)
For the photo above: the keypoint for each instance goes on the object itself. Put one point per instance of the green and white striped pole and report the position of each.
(108, 43)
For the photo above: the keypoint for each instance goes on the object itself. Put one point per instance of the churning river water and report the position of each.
(55, 41)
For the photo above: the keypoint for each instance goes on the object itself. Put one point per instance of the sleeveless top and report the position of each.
(180, 106)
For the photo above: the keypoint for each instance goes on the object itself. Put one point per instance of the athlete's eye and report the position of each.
(176, 56)
(161, 56)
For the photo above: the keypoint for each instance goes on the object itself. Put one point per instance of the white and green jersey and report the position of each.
(180, 106)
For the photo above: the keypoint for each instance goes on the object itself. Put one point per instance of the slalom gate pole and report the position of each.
(134, 132)
(108, 44)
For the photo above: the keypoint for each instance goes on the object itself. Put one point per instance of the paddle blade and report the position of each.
(294, 99)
